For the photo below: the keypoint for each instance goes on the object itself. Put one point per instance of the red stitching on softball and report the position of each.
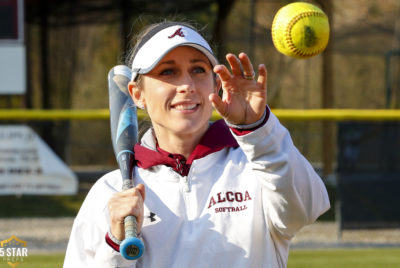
(288, 38)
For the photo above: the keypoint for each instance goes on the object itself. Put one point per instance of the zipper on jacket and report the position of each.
(186, 182)
(180, 168)
(187, 193)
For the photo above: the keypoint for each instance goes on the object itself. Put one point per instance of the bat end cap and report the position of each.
(131, 248)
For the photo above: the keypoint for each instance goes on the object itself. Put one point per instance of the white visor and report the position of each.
(158, 45)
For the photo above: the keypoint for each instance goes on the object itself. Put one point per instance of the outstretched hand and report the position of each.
(244, 98)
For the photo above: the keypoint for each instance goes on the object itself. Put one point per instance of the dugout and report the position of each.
(369, 175)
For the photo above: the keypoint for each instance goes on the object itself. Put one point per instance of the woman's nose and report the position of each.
(186, 84)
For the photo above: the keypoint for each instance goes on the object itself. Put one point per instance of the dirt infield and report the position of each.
(44, 235)
(328, 235)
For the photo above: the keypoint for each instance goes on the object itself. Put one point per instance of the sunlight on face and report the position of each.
(176, 93)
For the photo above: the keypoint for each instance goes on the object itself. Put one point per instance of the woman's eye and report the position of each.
(167, 72)
(199, 70)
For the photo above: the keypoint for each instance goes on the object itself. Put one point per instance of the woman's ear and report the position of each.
(136, 94)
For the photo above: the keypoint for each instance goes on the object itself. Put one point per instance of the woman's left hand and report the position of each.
(244, 98)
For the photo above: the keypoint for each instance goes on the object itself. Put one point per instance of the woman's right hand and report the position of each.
(125, 203)
(244, 98)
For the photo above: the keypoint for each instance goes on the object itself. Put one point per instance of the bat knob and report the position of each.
(131, 248)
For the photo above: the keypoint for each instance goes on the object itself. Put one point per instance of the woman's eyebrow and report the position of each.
(172, 62)
(198, 60)
(167, 62)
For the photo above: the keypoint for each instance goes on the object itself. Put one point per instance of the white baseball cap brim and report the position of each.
(161, 43)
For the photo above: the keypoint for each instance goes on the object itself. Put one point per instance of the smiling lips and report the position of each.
(185, 106)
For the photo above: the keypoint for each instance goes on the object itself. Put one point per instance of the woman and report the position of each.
(228, 194)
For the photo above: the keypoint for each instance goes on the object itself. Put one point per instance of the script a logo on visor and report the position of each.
(177, 33)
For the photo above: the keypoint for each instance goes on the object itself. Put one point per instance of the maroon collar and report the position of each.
(217, 137)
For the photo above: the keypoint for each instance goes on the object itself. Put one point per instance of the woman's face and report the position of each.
(175, 93)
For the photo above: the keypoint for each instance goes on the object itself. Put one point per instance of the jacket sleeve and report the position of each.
(87, 245)
(293, 195)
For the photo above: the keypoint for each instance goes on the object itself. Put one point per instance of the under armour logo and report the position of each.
(152, 217)
(177, 32)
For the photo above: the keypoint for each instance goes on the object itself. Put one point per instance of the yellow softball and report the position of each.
(300, 30)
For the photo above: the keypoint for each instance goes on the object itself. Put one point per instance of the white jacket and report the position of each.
(238, 207)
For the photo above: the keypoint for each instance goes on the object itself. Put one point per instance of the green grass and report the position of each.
(36, 261)
(345, 258)
(326, 258)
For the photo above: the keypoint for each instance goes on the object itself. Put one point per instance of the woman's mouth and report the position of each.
(185, 107)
